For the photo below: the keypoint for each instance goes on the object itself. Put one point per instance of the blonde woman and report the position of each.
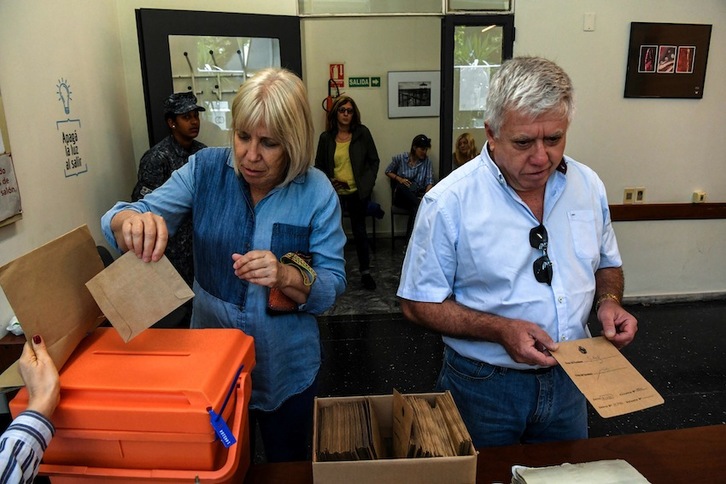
(256, 206)
(465, 149)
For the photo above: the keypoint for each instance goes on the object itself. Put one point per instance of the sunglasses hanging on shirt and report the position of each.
(542, 267)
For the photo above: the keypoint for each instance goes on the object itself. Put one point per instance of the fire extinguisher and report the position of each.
(328, 101)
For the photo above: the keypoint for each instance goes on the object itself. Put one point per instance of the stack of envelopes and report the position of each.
(421, 427)
(349, 431)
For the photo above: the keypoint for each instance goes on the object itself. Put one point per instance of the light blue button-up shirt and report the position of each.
(304, 216)
(471, 242)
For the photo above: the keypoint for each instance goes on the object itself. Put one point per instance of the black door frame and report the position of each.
(154, 26)
(446, 118)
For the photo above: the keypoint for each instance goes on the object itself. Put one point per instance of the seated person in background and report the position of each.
(23, 443)
(465, 150)
(411, 175)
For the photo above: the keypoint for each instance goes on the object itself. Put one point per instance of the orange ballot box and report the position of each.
(140, 411)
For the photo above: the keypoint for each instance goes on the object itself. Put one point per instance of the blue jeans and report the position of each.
(502, 406)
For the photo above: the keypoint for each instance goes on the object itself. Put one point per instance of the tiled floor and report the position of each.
(386, 262)
(370, 349)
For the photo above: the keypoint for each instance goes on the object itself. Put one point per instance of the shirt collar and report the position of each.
(492, 166)
(562, 167)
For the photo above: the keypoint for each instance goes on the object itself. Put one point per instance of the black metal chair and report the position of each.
(396, 211)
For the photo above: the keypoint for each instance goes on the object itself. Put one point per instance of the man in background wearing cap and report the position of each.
(182, 116)
(411, 175)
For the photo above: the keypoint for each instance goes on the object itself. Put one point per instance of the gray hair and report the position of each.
(530, 86)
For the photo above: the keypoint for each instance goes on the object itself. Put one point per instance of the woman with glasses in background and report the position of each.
(348, 155)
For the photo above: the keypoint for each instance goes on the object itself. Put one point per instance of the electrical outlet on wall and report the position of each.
(629, 196)
(588, 22)
(639, 195)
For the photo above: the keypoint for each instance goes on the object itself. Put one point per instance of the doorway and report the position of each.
(472, 49)
(210, 54)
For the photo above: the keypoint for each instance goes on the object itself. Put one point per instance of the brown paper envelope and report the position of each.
(46, 290)
(402, 425)
(609, 382)
(134, 294)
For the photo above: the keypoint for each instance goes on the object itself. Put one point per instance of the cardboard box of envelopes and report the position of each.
(386, 432)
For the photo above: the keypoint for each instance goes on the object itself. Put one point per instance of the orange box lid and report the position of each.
(161, 381)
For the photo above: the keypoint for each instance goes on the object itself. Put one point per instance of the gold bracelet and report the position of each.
(607, 295)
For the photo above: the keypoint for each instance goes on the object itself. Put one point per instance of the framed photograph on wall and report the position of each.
(667, 60)
(413, 94)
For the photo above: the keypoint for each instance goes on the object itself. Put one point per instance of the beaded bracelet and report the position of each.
(607, 295)
(295, 260)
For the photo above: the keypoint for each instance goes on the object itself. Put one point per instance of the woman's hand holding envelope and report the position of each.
(145, 234)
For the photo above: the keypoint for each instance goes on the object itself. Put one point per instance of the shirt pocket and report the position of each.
(584, 233)
(289, 238)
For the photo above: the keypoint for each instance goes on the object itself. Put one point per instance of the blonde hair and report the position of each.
(277, 99)
(462, 156)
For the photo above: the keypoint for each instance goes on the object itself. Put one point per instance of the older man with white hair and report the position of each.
(508, 255)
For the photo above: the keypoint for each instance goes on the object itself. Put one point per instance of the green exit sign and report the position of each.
(359, 82)
(364, 82)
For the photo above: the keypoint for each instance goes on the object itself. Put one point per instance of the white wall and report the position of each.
(42, 42)
(671, 147)
(667, 145)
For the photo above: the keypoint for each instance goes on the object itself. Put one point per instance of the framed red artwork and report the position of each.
(667, 60)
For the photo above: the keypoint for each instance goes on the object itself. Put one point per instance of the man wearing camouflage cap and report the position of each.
(182, 116)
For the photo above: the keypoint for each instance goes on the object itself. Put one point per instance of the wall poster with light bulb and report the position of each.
(70, 132)
(10, 207)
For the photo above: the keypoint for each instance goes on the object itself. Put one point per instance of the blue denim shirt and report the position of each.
(471, 242)
(303, 215)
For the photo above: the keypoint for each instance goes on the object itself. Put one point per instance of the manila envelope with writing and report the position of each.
(46, 291)
(134, 294)
(609, 382)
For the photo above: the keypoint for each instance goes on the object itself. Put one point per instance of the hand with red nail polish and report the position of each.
(40, 376)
